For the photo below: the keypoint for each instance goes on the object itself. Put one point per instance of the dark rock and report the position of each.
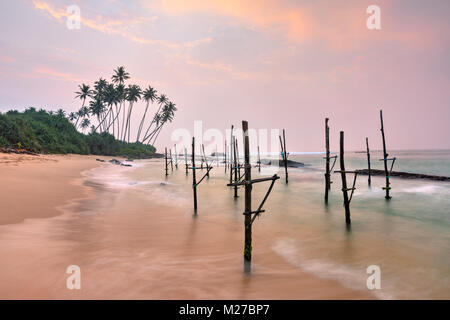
(280, 163)
(404, 175)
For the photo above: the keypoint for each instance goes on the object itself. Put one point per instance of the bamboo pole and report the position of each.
(344, 180)
(248, 196)
(327, 158)
(368, 161)
(385, 159)
(194, 181)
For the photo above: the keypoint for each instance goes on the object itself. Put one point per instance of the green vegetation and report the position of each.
(49, 132)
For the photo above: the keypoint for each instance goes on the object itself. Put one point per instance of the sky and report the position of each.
(283, 64)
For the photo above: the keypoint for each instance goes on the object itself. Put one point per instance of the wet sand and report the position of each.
(129, 242)
(35, 186)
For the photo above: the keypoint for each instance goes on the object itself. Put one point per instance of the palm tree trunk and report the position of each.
(142, 122)
(129, 120)
(150, 125)
(78, 118)
(101, 123)
(123, 120)
(156, 137)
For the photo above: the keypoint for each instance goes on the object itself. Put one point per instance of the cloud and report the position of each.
(50, 73)
(263, 14)
(116, 26)
(340, 25)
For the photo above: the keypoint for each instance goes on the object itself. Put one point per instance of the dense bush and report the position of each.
(44, 132)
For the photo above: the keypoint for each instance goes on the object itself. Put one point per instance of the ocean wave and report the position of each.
(349, 277)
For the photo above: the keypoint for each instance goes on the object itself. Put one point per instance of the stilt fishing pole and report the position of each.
(368, 162)
(327, 157)
(345, 189)
(194, 180)
(250, 215)
(386, 159)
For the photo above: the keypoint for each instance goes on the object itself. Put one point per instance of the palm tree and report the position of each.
(72, 116)
(83, 93)
(133, 95)
(60, 112)
(149, 95)
(120, 75)
(109, 98)
(97, 108)
(162, 99)
(85, 123)
(167, 115)
(120, 97)
(100, 86)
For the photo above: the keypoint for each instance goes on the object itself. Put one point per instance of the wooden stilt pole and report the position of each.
(237, 156)
(206, 162)
(167, 169)
(248, 196)
(327, 159)
(259, 161)
(231, 154)
(176, 157)
(247, 182)
(225, 156)
(368, 161)
(236, 164)
(171, 159)
(194, 181)
(186, 161)
(385, 159)
(285, 156)
(344, 180)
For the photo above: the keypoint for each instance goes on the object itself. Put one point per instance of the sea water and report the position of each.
(408, 237)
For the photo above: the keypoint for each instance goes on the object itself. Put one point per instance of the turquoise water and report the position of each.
(408, 237)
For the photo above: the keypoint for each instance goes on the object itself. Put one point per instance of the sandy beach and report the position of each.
(129, 245)
(36, 186)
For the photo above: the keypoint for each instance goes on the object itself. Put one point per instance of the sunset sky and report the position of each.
(278, 64)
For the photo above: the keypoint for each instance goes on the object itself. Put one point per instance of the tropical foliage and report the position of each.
(50, 132)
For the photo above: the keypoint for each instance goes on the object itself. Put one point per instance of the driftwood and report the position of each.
(17, 151)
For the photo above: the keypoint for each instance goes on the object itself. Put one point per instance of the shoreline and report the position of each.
(292, 283)
(29, 192)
